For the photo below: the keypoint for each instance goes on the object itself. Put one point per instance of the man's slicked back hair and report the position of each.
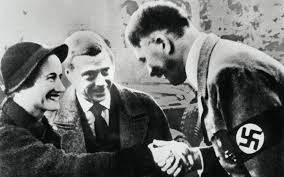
(154, 16)
(85, 43)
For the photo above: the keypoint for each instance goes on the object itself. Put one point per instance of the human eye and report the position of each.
(51, 77)
(105, 71)
(89, 76)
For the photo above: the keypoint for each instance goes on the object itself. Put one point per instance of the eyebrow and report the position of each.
(88, 73)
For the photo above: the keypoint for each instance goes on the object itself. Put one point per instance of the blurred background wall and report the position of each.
(259, 23)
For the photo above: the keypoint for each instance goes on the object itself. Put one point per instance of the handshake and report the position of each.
(173, 157)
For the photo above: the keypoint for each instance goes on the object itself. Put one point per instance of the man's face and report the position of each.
(92, 76)
(160, 63)
(44, 94)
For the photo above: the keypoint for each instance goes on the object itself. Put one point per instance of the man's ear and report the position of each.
(163, 42)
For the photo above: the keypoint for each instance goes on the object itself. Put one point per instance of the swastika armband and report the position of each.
(256, 134)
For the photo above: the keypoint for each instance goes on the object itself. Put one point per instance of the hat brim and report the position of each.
(60, 51)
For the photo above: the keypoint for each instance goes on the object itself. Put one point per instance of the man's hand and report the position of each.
(184, 156)
(166, 160)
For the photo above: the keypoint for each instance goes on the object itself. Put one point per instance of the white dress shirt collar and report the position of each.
(86, 105)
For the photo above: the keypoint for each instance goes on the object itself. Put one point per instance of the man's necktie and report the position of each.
(100, 123)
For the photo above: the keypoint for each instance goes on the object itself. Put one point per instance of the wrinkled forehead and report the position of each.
(102, 60)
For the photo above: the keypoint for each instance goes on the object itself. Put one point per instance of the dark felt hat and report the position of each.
(21, 59)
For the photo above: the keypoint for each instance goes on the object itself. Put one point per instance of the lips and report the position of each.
(53, 95)
(100, 92)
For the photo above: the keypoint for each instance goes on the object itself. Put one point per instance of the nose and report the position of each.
(100, 80)
(59, 86)
(155, 71)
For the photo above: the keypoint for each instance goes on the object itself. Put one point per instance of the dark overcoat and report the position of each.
(30, 148)
(242, 83)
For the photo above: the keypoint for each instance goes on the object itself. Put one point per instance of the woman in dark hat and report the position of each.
(28, 145)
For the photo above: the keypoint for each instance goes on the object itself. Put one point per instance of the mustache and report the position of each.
(99, 88)
(157, 71)
(170, 64)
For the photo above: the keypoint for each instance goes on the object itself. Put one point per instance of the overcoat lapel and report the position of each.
(69, 124)
(133, 118)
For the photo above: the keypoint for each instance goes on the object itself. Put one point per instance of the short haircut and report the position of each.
(154, 16)
(32, 78)
(85, 43)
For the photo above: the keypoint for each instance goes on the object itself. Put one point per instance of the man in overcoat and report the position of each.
(98, 114)
(240, 91)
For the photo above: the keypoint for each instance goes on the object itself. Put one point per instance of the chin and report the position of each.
(55, 106)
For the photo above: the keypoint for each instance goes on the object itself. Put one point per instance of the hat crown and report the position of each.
(16, 56)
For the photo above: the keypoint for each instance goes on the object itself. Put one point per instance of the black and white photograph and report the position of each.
(142, 88)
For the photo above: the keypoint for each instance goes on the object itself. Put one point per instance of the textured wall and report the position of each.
(51, 21)
(259, 23)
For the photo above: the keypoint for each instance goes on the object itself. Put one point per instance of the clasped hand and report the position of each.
(172, 156)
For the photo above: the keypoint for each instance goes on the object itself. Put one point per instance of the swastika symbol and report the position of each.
(250, 138)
